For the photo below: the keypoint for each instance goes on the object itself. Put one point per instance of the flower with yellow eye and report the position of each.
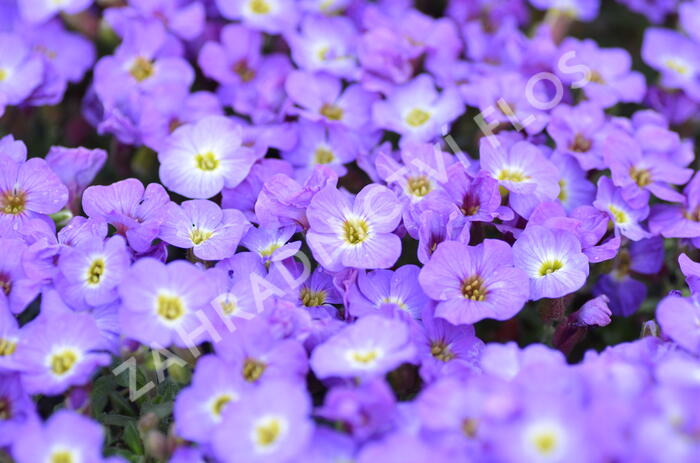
(359, 233)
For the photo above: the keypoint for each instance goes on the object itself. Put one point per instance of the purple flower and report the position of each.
(446, 350)
(260, 357)
(235, 60)
(143, 64)
(326, 44)
(77, 168)
(160, 303)
(639, 173)
(582, 10)
(372, 346)
(594, 312)
(625, 217)
(345, 233)
(20, 71)
(399, 288)
(38, 11)
(552, 259)
(201, 225)
(183, 18)
(679, 319)
(272, 16)
(27, 190)
(201, 159)
(320, 97)
(199, 408)
(416, 110)
(135, 212)
(676, 57)
(16, 287)
(92, 271)
(271, 244)
(270, 424)
(319, 144)
(364, 410)
(522, 169)
(691, 271)
(580, 131)
(17, 408)
(672, 221)
(474, 282)
(575, 189)
(59, 349)
(610, 79)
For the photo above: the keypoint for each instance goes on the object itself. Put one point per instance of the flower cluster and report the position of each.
(348, 230)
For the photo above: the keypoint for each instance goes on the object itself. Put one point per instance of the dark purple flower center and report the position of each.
(5, 409)
(580, 144)
(243, 70)
(5, 283)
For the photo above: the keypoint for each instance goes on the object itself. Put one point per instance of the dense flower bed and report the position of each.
(349, 231)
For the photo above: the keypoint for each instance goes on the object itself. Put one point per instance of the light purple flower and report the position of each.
(160, 303)
(346, 233)
(66, 436)
(471, 283)
(416, 110)
(37, 11)
(625, 217)
(201, 225)
(270, 424)
(136, 212)
(679, 319)
(201, 159)
(552, 259)
(372, 346)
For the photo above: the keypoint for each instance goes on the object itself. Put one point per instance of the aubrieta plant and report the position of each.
(335, 231)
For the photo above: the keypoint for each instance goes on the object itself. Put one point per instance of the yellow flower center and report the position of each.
(597, 78)
(365, 357)
(228, 307)
(62, 457)
(641, 177)
(207, 161)
(469, 427)
(323, 156)
(441, 351)
(417, 117)
(268, 432)
(13, 202)
(7, 347)
(244, 71)
(545, 443)
(355, 231)
(563, 195)
(3, 75)
(332, 112)
(198, 236)
(5, 409)
(619, 216)
(693, 215)
(580, 144)
(471, 204)
(259, 7)
(550, 266)
(311, 298)
(267, 252)
(473, 288)
(419, 186)
(512, 175)
(142, 69)
(170, 308)
(95, 272)
(63, 362)
(218, 406)
(677, 66)
(253, 369)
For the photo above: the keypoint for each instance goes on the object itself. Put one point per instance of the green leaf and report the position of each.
(132, 438)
